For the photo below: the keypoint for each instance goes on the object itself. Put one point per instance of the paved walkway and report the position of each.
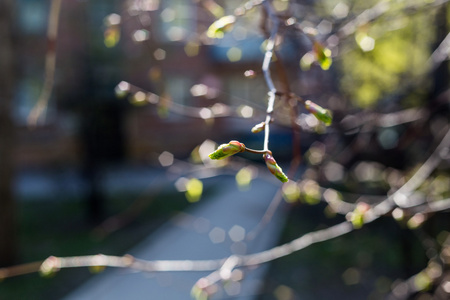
(213, 229)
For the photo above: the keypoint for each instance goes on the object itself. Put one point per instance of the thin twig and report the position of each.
(266, 70)
(53, 264)
(400, 197)
(257, 151)
(50, 65)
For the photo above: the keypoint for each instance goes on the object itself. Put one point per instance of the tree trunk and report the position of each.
(7, 205)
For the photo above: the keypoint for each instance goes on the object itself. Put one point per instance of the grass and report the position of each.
(50, 227)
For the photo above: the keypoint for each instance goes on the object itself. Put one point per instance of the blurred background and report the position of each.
(106, 105)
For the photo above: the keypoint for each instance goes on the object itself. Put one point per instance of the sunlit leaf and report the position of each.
(218, 28)
(194, 190)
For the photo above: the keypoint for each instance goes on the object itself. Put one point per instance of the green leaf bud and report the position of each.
(323, 55)
(274, 168)
(217, 29)
(358, 215)
(226, 150)
(319, 112)
(259, 127)
(50, 266)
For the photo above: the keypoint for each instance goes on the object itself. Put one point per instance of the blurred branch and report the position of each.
(19, 270)
(423, 280)
(351, 122)
(400, 197)
(441, 53)
(375, 12)
(433, 206)
(267, 217)
(142, 96)
(50, 64)
(53, 264)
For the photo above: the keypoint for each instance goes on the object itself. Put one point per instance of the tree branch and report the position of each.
(50, 64)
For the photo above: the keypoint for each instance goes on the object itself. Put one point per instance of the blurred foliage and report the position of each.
(194, 190)
(360, 265)
(402, 43)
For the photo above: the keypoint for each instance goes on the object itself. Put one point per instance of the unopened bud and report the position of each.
(250, 74)
(319, 112)
(50, 266)
(259, 127)
(323, 55)
(219, 27)
(226, 150)
(357, 216)
(274, 168)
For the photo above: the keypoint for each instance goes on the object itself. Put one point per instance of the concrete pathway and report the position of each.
(213, 229)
